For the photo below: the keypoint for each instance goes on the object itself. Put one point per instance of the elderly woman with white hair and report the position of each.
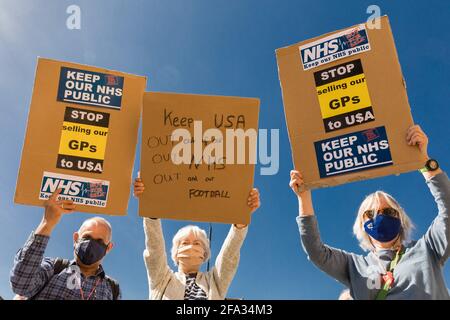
(190, 249)
(394, 268)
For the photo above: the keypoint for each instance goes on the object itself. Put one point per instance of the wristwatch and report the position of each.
(430, 165)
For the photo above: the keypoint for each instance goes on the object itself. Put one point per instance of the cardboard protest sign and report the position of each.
(346, 106)
(81, 136)
(197, 157)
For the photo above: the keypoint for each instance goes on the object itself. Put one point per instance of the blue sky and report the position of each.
(221, 48)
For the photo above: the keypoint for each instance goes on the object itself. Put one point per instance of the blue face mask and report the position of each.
(90, 251)
(383, 228)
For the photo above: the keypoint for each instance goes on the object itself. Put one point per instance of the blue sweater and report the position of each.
(419, 272)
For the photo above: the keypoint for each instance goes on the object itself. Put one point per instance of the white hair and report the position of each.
(96, 221)
(200, 234)
(372, 202)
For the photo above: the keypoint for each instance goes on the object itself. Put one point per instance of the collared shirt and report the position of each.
(32, 276)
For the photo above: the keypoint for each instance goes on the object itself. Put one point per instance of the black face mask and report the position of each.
(90, 251)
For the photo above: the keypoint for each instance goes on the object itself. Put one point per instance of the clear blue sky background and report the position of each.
(222, 47)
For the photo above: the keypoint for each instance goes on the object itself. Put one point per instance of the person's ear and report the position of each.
(204, 252)
(76, 236)
(110, 247)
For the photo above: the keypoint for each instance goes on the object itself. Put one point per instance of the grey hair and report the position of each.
(372, 202)
(96, 220)
(200, 234)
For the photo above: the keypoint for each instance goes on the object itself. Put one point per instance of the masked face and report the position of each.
(90, 251)
(385, 227)
(190, 252)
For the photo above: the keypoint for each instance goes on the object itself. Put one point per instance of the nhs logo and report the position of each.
(80, 190)
(334, 47)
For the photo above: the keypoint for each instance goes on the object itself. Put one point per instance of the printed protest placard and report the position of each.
(353, 152)
(343, 96)
(83, 140)
(197, 157)
(346, 106)
(81, 137)
(335, 46)
(90, 88)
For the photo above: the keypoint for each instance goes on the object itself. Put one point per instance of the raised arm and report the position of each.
(155, 257)
(438, 235)
(330, 260)
(228, 259)
(31, 271)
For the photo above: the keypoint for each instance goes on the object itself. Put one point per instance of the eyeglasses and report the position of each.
(387, 211)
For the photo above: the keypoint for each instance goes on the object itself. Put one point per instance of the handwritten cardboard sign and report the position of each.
(346, 106)
(197, 189)
(81, 136)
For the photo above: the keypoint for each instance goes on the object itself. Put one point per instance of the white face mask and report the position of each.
(191, 255)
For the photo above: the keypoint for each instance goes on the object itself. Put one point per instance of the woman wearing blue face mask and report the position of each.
(394, 268)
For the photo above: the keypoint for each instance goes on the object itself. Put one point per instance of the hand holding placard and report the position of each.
(54, 209)
(416, 137)
(297, 185)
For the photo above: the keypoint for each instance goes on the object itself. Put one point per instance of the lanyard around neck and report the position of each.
(389, 276)
(92, 291)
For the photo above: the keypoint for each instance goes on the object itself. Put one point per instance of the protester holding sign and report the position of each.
(189, 251)
(395, 268)
(36, 277)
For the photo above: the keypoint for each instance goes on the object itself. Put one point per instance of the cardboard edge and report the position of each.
(281, 51)
(402, 169)
(199, 95)
(102, 69)
(25, 133)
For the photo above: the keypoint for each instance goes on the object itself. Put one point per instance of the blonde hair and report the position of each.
(200, 234)
(372, 202)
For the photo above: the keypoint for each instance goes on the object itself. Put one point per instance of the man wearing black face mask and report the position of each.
(83, 278)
